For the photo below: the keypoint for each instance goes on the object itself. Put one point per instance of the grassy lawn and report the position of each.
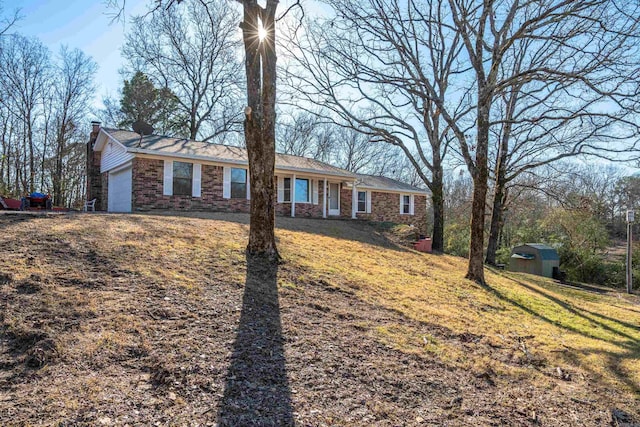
(547, 324)
(137, 319)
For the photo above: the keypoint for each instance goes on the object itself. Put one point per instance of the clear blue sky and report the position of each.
(83, 24)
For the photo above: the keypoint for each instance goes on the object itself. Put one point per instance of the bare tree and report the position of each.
(390, 65)
(24, 73)
(305, 134)
(355, 152)
(111, 114)
(9, 21)
(193, 51)
(73, 89)
(561, 94)
(491, 30)
(43, 104)
(258, 30)
(385, 69)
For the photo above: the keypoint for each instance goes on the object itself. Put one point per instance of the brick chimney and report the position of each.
(94, 178)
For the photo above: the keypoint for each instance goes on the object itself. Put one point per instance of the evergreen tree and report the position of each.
(142, 101)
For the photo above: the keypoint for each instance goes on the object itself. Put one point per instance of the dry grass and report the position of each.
(596, 333)
(134, 319)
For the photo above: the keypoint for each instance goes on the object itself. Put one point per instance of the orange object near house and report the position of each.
(423, 245)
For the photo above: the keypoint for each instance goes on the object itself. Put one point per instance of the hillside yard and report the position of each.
(156, 320)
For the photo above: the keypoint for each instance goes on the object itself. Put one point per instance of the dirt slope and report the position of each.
(143, 320)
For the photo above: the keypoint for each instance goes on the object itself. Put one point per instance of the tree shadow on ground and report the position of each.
(257, 389)
(582, 313)
(629, 344)
(625, 341)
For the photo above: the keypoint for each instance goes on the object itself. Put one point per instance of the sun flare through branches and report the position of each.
(262, 32)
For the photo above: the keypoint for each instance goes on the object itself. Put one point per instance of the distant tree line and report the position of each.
(44, 105)
(579, 209)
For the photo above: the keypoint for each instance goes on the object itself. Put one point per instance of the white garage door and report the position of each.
(119, 193)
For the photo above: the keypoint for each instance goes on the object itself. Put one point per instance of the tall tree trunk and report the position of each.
(437, 199)
(32, 156)
(193, 120)
(59, 154)
(260, 64)
(497, 221)
(480, 176)
(499, 198)
(57, 175)
(4, 159)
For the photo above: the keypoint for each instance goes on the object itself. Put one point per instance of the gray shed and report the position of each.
(534, 258)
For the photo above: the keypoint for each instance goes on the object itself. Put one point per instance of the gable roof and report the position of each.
(373, 182)
(197, 150)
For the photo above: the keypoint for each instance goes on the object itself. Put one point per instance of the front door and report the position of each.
(334, 199)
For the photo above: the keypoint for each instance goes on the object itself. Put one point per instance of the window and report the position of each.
(287, 190)
(302, 190)
(238, 183)
(406, 204)
(182, 178)
(362, 201)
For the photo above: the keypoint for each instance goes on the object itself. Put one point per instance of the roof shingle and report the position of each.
(164, 145)
(384, 183)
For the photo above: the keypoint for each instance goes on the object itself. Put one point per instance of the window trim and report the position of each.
(411, 204)
(183, 179)
(365, 201)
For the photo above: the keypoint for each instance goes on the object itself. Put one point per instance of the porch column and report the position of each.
(293, 196)
(354, 200)
(324, 199)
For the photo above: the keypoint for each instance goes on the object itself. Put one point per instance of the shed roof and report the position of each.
(545, 252)
(187, 148)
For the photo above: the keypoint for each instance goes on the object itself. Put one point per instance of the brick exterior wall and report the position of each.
(95, 188)
(386, 207)
(308, 210)
(104, 195)
(148, 184)
(345, 201)
(147, 187)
